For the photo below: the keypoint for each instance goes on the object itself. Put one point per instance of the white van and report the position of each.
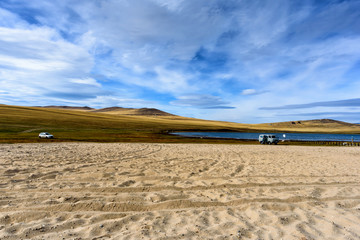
(268, 139)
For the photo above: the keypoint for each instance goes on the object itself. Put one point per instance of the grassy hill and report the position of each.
(313, 126)
(117, 110)
(22, 124)
(133, 111)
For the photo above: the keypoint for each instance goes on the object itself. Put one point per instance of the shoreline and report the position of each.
(281, 142)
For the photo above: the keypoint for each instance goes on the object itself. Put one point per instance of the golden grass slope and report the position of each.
(24, 123)
(79, 124)
(318, 125)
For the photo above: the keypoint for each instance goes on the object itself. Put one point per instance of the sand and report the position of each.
(178, 191)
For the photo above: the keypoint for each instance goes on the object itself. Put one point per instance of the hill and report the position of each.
(316, 126)
(22, 124)
(117, 110)
(133, 111)
(70, 108)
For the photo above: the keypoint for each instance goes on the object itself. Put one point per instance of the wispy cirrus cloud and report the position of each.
(38, 62)
(251, 91)
(202, 101)
(333, 104)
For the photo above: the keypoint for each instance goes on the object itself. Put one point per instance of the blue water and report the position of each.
(288, 136)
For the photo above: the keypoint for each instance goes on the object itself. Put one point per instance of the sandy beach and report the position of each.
(178, 191)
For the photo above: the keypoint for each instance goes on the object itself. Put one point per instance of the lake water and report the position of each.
(288, 136)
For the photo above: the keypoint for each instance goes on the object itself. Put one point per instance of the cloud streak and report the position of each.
(202, 101)
(340, 103)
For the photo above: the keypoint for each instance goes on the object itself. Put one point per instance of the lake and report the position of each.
(288, 136)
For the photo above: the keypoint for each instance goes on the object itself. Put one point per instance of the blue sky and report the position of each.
(242, 61)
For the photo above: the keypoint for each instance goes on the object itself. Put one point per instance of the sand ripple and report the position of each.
(178, 191)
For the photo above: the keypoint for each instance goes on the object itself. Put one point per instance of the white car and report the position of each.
(45, 135)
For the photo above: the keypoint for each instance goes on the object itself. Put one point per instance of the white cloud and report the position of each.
(249, 92)
(36, 61)
(201, 101)
(172, 5)
(171, 81)
(86, 81)
(10, 20)
(263, 21)
(145, 33)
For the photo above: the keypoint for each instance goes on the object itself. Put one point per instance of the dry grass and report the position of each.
(22, 124)
(312, 126)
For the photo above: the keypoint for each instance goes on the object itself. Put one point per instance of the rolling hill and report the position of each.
(117, 110)
(133, 111)
(22, 124)
(315, 126)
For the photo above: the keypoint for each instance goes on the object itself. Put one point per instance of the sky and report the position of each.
(232, 60)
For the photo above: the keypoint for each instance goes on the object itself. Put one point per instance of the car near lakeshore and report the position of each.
(268, 139)
(45, 135)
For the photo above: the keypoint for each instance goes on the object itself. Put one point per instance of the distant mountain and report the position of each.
(111, 109)
(70, 107)
(118, 110)
(322, 121)
(134, 111)
(152, 111)
(317, 125)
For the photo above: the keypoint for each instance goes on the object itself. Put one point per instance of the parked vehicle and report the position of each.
(268, 139)
(45, 135)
